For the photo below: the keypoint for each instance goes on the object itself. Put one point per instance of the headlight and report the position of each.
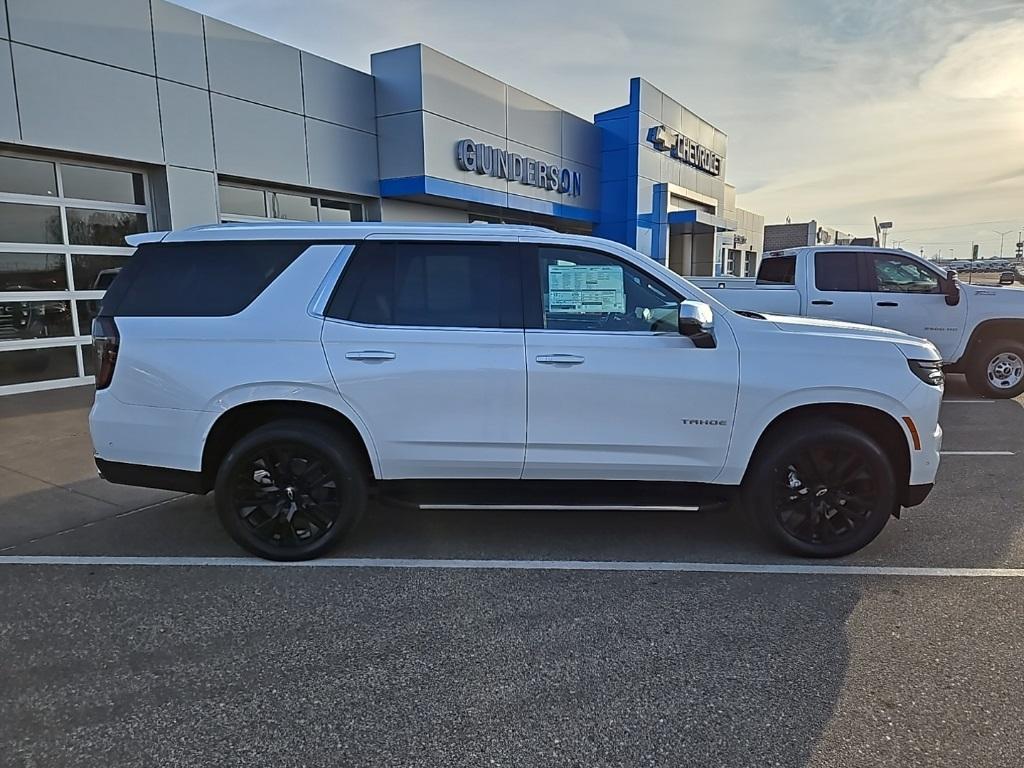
(928, 371)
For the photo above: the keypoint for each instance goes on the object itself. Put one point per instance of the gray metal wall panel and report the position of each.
(463, 94)
(78, 105)
(400, 145)
(534, 122)
(258, 142)
(581, 140)
(117, 32)
(251, 67)
(440, 135)
(338, 94)
(403, 210)
(3, 18)
(187, 128)
(341, 158)
(180, 49)
(8, 104)
(191, 196)
(398, 81)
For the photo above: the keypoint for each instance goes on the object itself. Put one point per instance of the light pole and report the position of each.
(1002, 236)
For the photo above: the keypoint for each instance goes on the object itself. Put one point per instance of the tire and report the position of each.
(996, 369)
(291, 490)
(820, 488)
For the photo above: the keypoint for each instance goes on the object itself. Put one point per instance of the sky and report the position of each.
(836, 110)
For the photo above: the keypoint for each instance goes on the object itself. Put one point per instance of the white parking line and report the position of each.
(513, 565)
(977, 453)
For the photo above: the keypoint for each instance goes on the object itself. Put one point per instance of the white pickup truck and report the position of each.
(979, 330)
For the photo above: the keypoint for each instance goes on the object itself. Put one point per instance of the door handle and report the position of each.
(887, 304)
(559, 359)
(823, 302)
(370, 354)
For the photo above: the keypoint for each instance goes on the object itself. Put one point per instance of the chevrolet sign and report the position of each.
(685, 150)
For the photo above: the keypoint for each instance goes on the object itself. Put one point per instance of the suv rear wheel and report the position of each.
(290, 490)
(997, 369)
(821, 488)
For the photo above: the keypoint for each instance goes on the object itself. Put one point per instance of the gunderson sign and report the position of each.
(491, 161)
(684, 149)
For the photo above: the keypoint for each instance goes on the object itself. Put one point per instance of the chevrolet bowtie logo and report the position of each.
(684, 149)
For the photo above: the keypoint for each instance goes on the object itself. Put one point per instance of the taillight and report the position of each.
(105, 342)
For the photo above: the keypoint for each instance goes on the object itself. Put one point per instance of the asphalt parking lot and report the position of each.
(653, 639)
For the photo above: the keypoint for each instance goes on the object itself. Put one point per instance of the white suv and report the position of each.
(296, 369)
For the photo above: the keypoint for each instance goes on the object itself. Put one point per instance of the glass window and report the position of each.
(777, 270)
(32, 272)
(242, 201)
(24, 365)
(335, 210)
(30, 223)
(898, 274)
(88, 358)
(196, 279)
(441, 285)
(837, 271)
(83, 182)
(592, 291)
(89, 227)
(95, 273)
(27, 177)
(295, 207)
(34, 319)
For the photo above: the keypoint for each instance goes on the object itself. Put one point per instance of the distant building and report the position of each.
(798, 234)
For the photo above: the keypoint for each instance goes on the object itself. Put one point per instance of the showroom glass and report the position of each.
(438, 285)
(88, 183)
(837, 271)
(51, 241)
(898, 274)
(244, 203)
(777, 270)
(585, 290)
(32, 272)
(21, 176)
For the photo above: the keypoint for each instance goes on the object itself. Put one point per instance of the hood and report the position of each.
(911, 346)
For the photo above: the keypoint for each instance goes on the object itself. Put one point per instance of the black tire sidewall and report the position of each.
(977, 371)
(350, 470)
(790, 440)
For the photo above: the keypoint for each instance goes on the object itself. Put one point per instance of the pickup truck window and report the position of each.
(898, 274)
(777, 270)
(837, 271)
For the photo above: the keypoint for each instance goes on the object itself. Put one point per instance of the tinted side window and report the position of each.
(440, 285)
(898, 274)
(777, 270)
(836, 272)
(197, 279)
(592, 291)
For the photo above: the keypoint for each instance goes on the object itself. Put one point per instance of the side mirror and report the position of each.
(697, 322)
(952, 288)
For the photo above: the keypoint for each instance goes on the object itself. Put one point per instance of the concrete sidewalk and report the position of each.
(48, 481)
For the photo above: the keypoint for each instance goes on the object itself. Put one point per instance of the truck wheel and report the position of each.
(821, 488)
(290, 490)
(997, 369)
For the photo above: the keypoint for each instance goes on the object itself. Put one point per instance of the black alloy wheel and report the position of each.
(821, 488)
(290, 490)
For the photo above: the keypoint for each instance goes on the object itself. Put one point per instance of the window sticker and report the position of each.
(579, 290)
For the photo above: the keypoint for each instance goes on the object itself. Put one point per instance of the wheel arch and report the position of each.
(241, 419)
(985, 331)
(878, 424)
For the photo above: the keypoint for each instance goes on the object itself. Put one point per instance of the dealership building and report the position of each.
(121, 116)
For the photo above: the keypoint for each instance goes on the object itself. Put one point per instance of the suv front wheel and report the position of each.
(290, 490)
(821, 488)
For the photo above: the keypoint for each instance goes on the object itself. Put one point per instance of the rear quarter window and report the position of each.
(777, 270)
(197, 279)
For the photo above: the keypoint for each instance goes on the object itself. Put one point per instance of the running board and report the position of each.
(565, 507)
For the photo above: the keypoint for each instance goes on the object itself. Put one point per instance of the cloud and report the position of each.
(987, 64)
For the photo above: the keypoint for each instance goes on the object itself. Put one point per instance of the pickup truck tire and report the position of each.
(820, 488)
(290, 490)
(996, 369)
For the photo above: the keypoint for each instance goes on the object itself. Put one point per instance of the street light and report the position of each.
(1002, 236)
